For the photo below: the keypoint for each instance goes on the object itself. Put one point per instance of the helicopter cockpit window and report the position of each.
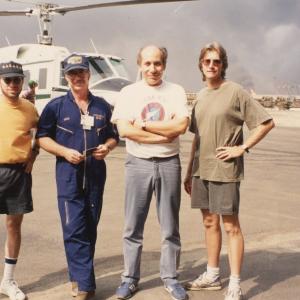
(99, 69)
(119, 66)
(43, 78)
(62, 80)
(26, 78)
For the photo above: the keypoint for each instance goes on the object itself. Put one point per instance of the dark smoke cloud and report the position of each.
(261, 37)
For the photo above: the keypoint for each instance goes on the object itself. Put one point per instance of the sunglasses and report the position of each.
(214, 62)
(14, 80)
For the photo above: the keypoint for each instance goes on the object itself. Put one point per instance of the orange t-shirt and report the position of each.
(16, 121)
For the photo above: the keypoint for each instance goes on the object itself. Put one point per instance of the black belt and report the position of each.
(157, 158)
(13, 166)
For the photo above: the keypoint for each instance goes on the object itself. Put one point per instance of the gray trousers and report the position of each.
(143, 177)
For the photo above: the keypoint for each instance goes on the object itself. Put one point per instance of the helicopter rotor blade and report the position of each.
(16, 12)
(23, 2)
(63, 10)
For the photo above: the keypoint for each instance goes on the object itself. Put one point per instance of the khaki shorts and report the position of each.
(218, 197)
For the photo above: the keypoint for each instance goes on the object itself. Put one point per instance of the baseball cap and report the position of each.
(32, 83)
(11, 69)
(75, 61)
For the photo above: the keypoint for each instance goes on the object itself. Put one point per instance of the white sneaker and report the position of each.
(202, 283)
(234, 295)
(10, 288)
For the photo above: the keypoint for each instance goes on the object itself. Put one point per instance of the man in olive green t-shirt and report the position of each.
(216, 164)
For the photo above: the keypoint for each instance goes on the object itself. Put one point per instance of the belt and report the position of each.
(13, 166)
(156, 158)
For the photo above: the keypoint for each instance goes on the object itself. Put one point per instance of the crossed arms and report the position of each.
(155, 132)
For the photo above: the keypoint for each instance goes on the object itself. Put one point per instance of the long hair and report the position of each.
(214, 46)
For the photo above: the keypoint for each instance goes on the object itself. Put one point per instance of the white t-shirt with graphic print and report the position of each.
(152, 103)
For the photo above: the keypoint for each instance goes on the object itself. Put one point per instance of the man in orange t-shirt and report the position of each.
(18, 117)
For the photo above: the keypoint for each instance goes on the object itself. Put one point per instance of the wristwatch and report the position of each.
(143, 124)
(245, 148)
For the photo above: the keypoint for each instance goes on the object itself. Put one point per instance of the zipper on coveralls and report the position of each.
(85, 145)
(84, 162)
(99, 129)
(67, 212)
(85, 148)
(65, 129)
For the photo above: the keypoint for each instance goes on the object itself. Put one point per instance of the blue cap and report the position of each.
(75, 61)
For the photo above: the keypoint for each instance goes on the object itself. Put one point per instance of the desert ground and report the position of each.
(269, 214)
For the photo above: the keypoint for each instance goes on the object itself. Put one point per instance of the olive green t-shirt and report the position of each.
(217, 120)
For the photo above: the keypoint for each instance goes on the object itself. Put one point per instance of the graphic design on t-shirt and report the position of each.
(153, 111)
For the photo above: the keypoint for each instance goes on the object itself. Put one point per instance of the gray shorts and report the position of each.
(15, 190)
(218, 197)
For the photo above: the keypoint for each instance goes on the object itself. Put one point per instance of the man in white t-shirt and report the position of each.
(151, 114)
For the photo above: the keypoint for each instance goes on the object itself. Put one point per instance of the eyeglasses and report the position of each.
(15, 80)
(215, 62)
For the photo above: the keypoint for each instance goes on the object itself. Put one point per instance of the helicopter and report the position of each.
(43, 62)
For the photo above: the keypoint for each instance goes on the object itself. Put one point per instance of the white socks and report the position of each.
(234, 282)
(212, 273)
(9, 268)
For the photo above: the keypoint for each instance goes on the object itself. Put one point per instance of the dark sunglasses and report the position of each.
(215, 62)
(15, 80)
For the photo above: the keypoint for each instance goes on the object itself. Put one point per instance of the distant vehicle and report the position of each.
(43, 62)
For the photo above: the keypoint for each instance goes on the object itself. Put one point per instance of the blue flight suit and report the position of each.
(79, 187)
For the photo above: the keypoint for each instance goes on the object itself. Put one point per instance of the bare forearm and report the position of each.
(111, 143)
(187, 181)
(71, 155)
(29, 164)
(127, 130)
(191, 158)
(259, 133)
(228, 152)
(170, 128)
(142, 136)
(51, 146)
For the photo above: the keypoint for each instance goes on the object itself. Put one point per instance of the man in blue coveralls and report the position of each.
(77, 129)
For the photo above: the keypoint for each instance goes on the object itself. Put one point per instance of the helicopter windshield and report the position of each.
(113, 75)
(105, 73)
(119, 66)
(98, 66)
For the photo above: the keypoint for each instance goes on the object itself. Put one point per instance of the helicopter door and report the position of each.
(61, 85)
(45, 77)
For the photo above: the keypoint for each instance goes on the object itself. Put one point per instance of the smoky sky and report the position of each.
(261, 37)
